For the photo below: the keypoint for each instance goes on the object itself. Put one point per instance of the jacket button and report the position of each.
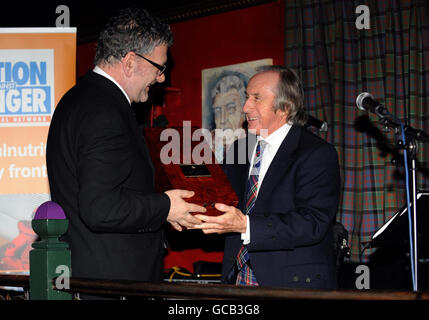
(295, 279)
(308, 280)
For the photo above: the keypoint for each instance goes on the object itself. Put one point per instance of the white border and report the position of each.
(38, 30)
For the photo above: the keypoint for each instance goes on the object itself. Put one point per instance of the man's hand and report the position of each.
(233, 220)
(179, 215)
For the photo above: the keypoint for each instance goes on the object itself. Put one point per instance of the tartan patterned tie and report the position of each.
(245, 275)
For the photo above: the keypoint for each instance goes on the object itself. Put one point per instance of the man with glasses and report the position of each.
(161, 69)
(99, 167)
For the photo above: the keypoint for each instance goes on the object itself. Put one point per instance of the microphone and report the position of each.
(322, 126)
(365, 102)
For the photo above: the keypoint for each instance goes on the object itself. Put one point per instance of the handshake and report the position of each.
(191, 216)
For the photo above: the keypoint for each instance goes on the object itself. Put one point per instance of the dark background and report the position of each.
(90, 16)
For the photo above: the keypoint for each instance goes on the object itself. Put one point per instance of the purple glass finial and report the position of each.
(49, 210)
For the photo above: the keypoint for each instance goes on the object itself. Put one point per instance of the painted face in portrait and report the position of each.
(227, 108)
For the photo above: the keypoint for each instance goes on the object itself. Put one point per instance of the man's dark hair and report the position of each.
(131, 30)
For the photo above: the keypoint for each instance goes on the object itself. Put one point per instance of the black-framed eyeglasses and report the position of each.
(161, 69)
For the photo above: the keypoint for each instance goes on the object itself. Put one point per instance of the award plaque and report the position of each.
(184, 160)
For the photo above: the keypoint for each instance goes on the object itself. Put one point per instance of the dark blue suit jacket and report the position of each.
(291, 224)
(101, 174)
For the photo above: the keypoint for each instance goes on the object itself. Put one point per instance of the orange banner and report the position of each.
(37, 67)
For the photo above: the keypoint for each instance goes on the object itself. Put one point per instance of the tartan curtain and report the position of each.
(336, 62)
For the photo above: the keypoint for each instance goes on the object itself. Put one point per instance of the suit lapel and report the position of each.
(141, 142)
(251, 142)
(124, 107)
(281, 162)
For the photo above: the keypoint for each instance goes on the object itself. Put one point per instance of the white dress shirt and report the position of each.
(101, 72)
(273, 141)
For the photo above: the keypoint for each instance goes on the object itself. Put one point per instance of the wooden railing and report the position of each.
(123, 289)
(228, 292)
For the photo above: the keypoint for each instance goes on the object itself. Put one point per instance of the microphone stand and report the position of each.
(411, 146)
(412, 152)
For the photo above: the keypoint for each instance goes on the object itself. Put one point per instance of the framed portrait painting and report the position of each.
(223, 97)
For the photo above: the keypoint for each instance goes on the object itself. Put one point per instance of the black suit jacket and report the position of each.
(291, 223)
(101, 174)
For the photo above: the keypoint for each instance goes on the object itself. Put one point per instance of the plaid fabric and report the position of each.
(252, 183)
(246, 275)
(336, 62)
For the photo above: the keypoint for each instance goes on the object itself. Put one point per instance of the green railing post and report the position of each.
(50, 258)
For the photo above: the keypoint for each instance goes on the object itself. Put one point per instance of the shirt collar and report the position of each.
(275, 139)
(103, 73)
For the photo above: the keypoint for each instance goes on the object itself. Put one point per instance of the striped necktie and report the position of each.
(245, 274)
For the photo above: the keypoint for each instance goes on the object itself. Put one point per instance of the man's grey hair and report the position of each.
(289, 95)
(131, 30)
(227, 83)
